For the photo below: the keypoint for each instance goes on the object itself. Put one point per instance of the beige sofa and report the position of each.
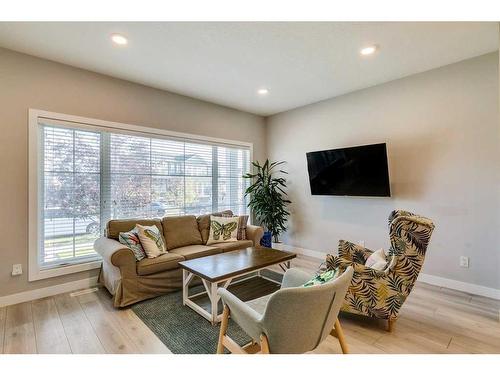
(131, 281)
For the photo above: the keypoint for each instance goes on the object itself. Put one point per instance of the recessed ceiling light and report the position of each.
(263, 91)
(370, 50)
(119, 39)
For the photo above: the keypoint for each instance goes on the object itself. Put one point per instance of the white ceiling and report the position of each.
(226, 63)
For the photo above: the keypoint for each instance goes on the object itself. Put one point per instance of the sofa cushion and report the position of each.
(164, 262)
(181, 231)
(196, 251)
(204, 223)
(230, 246)
(115, 226)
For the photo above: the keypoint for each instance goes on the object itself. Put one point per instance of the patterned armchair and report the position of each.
(380, 294)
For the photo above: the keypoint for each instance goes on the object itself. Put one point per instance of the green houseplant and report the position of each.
(268, 199)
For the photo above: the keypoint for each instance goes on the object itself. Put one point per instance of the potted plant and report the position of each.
(268, 199)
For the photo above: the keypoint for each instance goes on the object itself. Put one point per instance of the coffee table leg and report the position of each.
(215, 302)
(211, 289)
(285, 266)
(185, 288)
(187, 277)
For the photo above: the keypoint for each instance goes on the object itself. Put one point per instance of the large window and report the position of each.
(89, 174)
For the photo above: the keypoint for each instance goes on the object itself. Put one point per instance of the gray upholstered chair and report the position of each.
(294, 319)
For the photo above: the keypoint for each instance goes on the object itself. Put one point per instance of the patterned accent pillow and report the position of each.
(242, 225)
(132, 241)
(223, 229)
(151, 240)
(322, 278)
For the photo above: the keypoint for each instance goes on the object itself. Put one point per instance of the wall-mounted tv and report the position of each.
(354, 171)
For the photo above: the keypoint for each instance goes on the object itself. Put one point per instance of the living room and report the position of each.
(284, 187)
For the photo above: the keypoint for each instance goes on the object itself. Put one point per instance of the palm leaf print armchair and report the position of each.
(380, 294)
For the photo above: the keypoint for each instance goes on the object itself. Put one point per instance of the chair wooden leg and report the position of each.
(233, 347)
(223, 329)
(339, 333)
(252, 348)
(264, 345)
(390, 324)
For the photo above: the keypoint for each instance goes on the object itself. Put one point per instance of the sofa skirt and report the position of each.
(139, 288)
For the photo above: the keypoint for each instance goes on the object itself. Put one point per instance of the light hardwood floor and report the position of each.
(433, 320)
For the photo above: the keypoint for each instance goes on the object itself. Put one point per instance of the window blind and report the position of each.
(91, 176)
(71, 177)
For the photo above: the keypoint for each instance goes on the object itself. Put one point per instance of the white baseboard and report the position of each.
(478, 290)
(31, 295)
(300, 250)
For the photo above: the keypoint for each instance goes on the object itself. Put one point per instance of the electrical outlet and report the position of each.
(464, 262)
(17, 269)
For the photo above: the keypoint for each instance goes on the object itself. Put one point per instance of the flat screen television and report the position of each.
(354, 171)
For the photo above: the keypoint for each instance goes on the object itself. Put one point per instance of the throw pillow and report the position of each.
(322, 278)
(132, 241)
(151, 240)
(377, 261)
(223, 229)
(242, 225)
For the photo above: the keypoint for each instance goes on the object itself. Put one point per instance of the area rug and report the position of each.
(181, 329)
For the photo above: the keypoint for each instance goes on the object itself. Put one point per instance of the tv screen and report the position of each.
(356, 171)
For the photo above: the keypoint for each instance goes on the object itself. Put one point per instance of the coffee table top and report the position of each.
(234, 263)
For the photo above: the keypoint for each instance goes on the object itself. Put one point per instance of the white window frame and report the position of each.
(35, 272)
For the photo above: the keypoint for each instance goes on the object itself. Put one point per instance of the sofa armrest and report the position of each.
(255, 234)
(114, 252)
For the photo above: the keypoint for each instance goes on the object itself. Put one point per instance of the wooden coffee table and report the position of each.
(219, 270)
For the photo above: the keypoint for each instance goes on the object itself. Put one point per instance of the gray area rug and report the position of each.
(181, 329)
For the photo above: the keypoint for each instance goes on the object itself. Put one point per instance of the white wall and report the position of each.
(441, 129)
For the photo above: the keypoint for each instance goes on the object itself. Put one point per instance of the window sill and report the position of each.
(37, 273)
